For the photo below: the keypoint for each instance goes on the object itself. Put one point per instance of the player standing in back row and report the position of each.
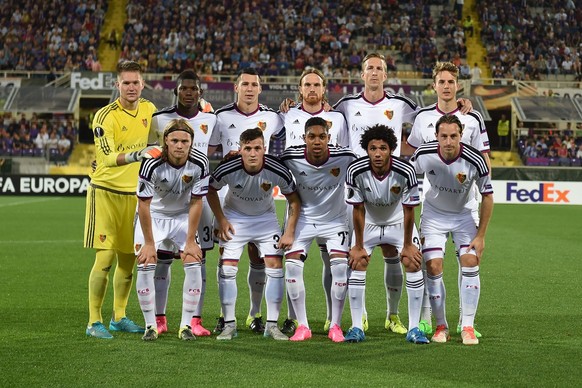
(445, 82)
(231, 121)
(189, 108)
(376, 106)
(121, 134)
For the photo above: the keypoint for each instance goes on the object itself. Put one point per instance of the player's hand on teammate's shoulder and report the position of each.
(230, 155)
(149, 152)
(465, 105)
(287, 104)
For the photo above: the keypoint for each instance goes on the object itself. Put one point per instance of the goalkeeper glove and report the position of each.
(150, 152)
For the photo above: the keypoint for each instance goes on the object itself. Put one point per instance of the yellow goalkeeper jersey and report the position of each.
(117, 130)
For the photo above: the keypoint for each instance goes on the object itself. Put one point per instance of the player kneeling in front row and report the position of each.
(451, 167)
(384, 192)
(248, 216)
(170, 191)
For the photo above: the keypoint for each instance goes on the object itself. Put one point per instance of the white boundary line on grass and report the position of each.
(27, 202)
(41, 241)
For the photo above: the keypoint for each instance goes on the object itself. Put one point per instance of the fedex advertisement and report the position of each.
(538, 192)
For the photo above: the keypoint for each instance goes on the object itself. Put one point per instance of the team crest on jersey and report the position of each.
(334, 171)
(266, 186)
(102, 237)
(389, 114)
(187, 178)
(262, 125)
(329, 124)
(204, 128)
(395, 189)
(99, 132)
(124, 129)
(145, 122)
(137, 247)
(461, 177)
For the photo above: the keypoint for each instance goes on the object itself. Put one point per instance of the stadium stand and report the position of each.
(52, 137)
(50, 35)
(536, 42)
(283, 39)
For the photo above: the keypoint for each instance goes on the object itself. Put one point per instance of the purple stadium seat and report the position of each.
(27, 152)
(553, 162)
(576, 162)
(537, 162)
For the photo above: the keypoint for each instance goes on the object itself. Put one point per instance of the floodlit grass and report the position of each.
(530, 315)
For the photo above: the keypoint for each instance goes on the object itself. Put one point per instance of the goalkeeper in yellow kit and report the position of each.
(121, 132)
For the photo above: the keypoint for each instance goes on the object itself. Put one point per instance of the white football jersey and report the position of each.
(393, 110)
(171, 187)
(231, 122)
(451, 182)
(321, 187)
(203, 125)
(474, 130)
(382, 196)
(296, 117)
(251, 195)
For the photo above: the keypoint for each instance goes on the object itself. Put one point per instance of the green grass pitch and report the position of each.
(530, 314)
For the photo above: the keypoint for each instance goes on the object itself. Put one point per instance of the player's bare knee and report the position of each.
(434, 266)
(469, 260)
(274, 262)
(228, 271)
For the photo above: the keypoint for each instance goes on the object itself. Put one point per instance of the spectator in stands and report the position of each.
(26, 142)
(579, 152)
(468, 26)
(530, 150)
(464, 70)
(64, 147)
(567, 65)
(552, 66)
(564, 155)
(459, 8)
(6, 141)
(42, 138)
(476, 74)
(503, 133)
(541, 143)
(52, 142)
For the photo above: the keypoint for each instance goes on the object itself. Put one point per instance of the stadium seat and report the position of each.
(537, 161)
(27, 152)
(576, 162)
(553, 162)
(53, 154)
